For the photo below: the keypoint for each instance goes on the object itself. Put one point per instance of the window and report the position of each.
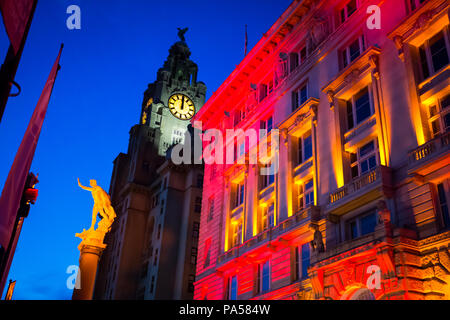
(305, 195)
(362, 225)
(266, 125)
(267, 179)
(434, 54)
(232, 288)
(414, 4)
(191, 280)
(359, 108)
(155, 261)
(212, 172)
(347, 10)
(210, 208)
(161, 209)
(237, 233)
(353, 51)
(241, 149)
(207, 257)
(293, 61)
(439, 116)
(303, 55)
(239, 193)
(443, 196)
(195, 231)
(199, 181)
(267, 217)
(306, 254)
(263, 278)
(299, 96)
(266, 276)
(159, 231)
(194, 256)
(304, 148)
(364, 160)
(152, 284)
(198, 205)
(262, 92)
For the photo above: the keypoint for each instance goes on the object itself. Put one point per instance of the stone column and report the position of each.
(91, 249)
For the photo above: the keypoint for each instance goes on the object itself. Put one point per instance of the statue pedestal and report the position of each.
(91, 249)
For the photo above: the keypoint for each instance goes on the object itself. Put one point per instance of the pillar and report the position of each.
(91, 249)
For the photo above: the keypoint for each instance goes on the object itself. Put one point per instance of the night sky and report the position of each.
(106, 67)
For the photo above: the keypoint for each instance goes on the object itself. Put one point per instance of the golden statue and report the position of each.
(102, 206)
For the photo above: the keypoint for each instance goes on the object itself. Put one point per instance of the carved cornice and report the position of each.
(416, 22)
(352, 73)
(297, 118)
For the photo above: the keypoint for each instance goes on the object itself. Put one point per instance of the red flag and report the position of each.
(16, 14)
(15, 183)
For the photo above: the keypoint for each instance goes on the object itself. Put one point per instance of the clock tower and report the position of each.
(152, 245)
(174, 98)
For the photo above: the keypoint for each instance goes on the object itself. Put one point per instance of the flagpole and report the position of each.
(16, 182)
(9, 67)
(246, 42)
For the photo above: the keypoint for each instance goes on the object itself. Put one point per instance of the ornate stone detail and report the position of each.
(317, 242)
(352, 77)
(373, 60)
(299, 119)
(318, 31)
(285, 136)
(423, 20)
(398, 41)
(384, 215)
(330, 96)
(313, 111)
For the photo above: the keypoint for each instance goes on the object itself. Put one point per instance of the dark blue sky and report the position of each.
(106, 67)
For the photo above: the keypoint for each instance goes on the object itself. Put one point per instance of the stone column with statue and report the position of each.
(92, 246)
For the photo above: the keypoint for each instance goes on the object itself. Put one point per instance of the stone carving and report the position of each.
(281, 68)
(317, 242)
(330, 96)
(299, 119)
(373, 60)
(352, 77)
(317, 32)
(181, 33)
(285, 135)
(398, 41)
(102, 206)
(384, 215)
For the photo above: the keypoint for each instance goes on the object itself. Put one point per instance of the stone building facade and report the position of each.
(359, 208)
(152, 247)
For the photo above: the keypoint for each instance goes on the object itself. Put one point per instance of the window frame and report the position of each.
(301, 148)
(236, 232)
(344, 9)
(352, 102)
(345, 56)
(300, 96)
(439, 115)
(443, 194)
(425, 46)
(232, 284)
(361, 159)
(267, 217)
(357, 220)
(264, 273)
(303, 194)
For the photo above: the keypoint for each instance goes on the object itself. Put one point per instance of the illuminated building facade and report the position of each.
(152, 247)
(363, 182)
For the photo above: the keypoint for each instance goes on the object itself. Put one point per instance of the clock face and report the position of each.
(181, 106)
